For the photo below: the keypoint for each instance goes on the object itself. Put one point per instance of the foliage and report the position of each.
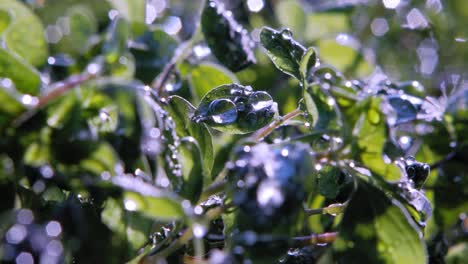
(206, 132)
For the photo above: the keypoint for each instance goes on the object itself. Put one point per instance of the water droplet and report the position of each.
(286, 33)
(130, 205)
(173, 83)
(24, 258)
(199, 230)
(29, 100)
(16, 234)
(53, 229)
(269, 194)
(223, 111)
(25, 216)
(318, 166)
(255, 5)
(260, 100)
(201, 51)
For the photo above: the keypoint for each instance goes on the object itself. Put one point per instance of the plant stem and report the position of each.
(214, 188)
(265, 131)
(187, 235)
(314, 239)
(56, 90)
(332, 209)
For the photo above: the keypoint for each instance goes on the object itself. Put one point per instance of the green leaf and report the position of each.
(59, 114)
(308, 61)
(321, 110)
(149, 200)
(283, 50)
(376, 229)
(371, 137)
(329, 181)
(236, 109)
(344, 57)
(25, 78)
(132, 10)
(181, 111)
(229, 42)
(152, 51)
(128, 226)
(37, 154)
(102, 159)
(25, 35)
(192, 169)
(206, 76)
(82, 25)
(116, 40)
(5, 20)
(10, 106)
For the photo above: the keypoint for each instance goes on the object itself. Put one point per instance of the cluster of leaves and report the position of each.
(105, 159)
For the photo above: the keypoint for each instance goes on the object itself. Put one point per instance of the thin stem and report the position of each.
(314, 239)
(265, 131)
(214, 188)
(187, 235)
(57, 89)
(332, 209)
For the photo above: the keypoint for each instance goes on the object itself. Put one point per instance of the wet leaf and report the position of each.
(152, 51)
(25, 35)
(229, 42)
(181, 111)
(236, 109)
(25, 78)
(376, 229)
(283, 50)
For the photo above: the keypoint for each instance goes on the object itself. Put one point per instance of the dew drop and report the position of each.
(130, 205)
(199, 230)
(286, 34)
(173, 83)
(260, 100)
(223, 111)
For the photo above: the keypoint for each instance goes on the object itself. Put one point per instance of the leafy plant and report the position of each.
(206, 132)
